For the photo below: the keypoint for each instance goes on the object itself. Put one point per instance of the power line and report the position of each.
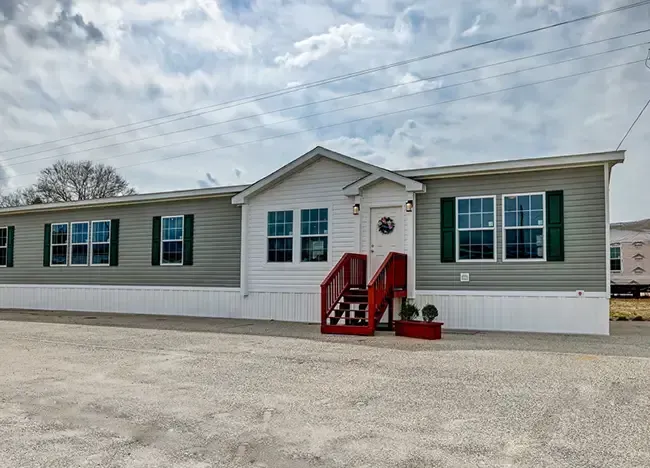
(347, 122)
(272, 94)
(339, 98)
(633, 124)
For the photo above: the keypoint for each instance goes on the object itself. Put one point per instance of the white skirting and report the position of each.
(544, 312)
(201, 302)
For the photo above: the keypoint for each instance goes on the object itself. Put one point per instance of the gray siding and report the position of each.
(217, 245)
(584, 238)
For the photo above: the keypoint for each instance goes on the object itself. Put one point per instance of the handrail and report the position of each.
(391, 275)
(349, 272)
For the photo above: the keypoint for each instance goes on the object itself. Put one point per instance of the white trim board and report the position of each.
(511, 293)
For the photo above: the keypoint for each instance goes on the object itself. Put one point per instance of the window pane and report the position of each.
(463, 206)
(615, 265)
(475, 205)
(488, 205)
(525, 243)
(510, 203)
(488, 220)
(463, 221)
(523, 202)
(476, 245)
(101, 231)
(510, 219)
(79, 233)
(475, 221)
(3, 256)
(172, 228)
(100, 254)
(313, 249)
(3, 237)
(537, 218)
(280, 250)
(59, 234)
(313, 222)
(536, 202)
(79, 254)
(524, 218)
(59, 255)
(172, 252)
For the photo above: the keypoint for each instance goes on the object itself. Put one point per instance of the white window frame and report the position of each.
(87, 243)
(52, 244)
(620, 257)
(504, 228)
(162, 239)
(92, 243)
(6, 247)
(301, 236)
(292, 236)
(493, 229)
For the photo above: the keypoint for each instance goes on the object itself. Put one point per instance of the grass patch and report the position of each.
(629, 308)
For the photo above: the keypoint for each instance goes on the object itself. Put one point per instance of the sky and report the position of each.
(70, 67)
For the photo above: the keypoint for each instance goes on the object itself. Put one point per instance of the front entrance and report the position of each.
(386, 234)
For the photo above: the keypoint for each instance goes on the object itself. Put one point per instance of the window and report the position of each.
(59, 245)
(4, 239)
(523, 227)
(172, 240)
(279, 236)
(79, 243)
(313, 235)
(615, 258)
(476, 228)
(101, 243)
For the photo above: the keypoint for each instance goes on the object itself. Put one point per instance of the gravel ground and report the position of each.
(155, 392)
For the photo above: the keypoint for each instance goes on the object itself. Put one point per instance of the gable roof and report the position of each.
(320, 152)
(518, 165)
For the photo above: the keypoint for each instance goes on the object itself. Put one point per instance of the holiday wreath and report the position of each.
(386, 225)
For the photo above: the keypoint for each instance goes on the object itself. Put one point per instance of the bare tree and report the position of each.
(20, 197)
(80, 180)
(66, 181)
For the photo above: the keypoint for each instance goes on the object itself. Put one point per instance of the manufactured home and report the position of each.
(518, 245)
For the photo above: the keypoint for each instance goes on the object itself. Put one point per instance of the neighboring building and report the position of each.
(630, 257)
(511, 245)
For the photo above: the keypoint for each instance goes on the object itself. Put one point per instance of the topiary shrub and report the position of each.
(408, 311)
(429, 313)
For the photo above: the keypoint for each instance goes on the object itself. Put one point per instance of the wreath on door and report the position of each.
(386, 225)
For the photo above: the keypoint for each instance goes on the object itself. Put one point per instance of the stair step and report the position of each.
(349, 319)
(354, 302)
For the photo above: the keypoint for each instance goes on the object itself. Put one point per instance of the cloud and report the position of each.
(473, 29)
(338, 38)
(167, 56)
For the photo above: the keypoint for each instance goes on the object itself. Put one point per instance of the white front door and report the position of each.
(390, 240)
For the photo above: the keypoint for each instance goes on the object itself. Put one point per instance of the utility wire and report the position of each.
(347, 122)
(338, 109)
(276, 93)
(633, 124)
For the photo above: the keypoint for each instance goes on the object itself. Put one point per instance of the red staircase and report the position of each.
(348, 306)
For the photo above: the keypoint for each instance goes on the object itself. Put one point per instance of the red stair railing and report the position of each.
(349, 272)
(388, 282)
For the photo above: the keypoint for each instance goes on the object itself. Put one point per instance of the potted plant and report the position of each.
(426, 329)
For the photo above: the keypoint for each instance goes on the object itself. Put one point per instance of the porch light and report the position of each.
(409, 206)
(355, 209)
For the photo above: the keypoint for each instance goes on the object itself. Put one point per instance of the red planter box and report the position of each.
(422, 330)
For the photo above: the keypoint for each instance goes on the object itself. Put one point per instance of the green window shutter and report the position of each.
(10, 246)
(155, 241)
(555, 226)
(47, 237)
(188, 240)
(114, 255)
(448, 230)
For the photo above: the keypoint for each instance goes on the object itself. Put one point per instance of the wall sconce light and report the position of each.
(355, 209)
(409, 206)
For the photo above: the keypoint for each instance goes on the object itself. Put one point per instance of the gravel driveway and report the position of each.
(154, 392)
